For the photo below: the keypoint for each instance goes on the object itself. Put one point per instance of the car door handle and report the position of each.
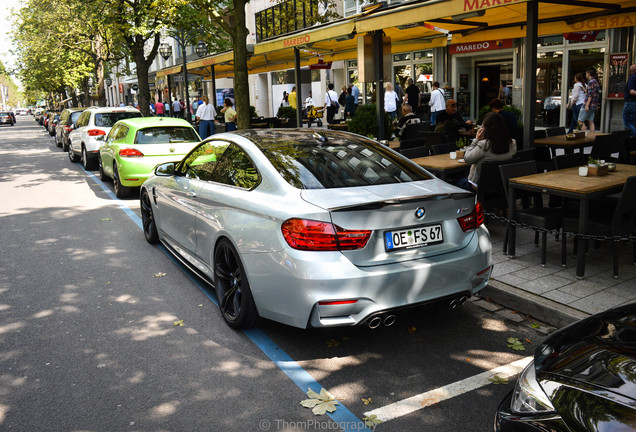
(192, 194)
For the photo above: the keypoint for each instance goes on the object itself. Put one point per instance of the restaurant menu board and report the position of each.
(618, 68)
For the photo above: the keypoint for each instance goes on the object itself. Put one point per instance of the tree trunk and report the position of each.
(99, 70)
(241, 81)
(143, 65)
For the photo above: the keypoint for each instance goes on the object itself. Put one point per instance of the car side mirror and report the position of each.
(165, 170)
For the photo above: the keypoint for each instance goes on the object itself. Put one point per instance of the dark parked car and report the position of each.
(53, 118)
(64, 127)
(583, 378)
(6, 118)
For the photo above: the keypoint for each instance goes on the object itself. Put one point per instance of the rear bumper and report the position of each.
(133, 172)
(292, 295)
(507, 421)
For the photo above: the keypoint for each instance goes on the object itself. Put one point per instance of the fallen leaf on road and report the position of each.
(178, 323)
(159, 274)
(320, 403)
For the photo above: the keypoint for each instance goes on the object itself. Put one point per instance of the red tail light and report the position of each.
(473, 220)
(67, 128)
(313, 235)
(128, 152)
(96, 132)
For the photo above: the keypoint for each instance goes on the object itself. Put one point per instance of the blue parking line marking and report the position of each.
(345, 419)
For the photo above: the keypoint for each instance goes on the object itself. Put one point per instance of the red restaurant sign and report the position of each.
(320, 65)
(582, 36)
(479, 46)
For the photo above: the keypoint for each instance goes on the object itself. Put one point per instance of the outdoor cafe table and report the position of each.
(567, 183)
(442, 165)
(338, 126)
(561, 142)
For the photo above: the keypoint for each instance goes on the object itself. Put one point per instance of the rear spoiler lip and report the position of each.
(385, 203)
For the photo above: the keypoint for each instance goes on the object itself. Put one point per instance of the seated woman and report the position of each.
(492, 143)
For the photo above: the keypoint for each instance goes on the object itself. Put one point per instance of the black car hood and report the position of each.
(599, 351)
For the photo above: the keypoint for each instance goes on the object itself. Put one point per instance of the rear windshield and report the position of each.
(75, 115)
(109, 119)
(340, 162)
(163, 135)
(4, 114)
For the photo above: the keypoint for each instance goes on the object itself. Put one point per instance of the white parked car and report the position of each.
(94, 122)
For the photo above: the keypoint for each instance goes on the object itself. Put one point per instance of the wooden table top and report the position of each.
(395, 144)
(441, 162)
(568, 180)
(560, 141)
(338, 126)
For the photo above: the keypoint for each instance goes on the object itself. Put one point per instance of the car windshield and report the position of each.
(109, 119)
(341, 161)
(4, 114)
(163, 135)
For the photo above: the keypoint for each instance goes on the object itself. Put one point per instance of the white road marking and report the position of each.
(423, 400)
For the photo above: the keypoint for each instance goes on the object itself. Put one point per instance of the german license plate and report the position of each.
(413, 237)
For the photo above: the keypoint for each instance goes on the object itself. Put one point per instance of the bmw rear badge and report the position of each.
(419, 212)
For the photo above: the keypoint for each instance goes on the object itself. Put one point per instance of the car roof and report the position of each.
(112, 109)
(144, 122)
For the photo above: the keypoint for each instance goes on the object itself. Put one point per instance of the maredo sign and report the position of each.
(471, 5)
(479, 46)
(300, 40)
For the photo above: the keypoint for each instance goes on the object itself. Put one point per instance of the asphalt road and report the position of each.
(88, 340)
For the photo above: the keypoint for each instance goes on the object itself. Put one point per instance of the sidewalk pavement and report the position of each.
(553, 294)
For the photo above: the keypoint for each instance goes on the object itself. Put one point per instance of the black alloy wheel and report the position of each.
(89, 164)
(102, 175)
(121, 191)
(71, 155)
(148, 218)
(232, 288)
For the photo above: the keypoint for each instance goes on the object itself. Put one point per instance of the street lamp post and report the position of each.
(166, 52)
(202, 50)
(181, 40)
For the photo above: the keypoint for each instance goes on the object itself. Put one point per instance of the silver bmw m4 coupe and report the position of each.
(316, 229)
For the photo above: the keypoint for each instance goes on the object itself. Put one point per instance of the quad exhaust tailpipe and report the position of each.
(456, 302)
(378, 320)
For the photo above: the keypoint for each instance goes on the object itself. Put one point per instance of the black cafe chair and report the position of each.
(617, 222)
(537, 216)
(443, 148)
(415, 152)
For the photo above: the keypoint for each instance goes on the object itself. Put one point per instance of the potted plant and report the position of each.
(365, 122)
(596, 167)
(461, 144)
(288, 113)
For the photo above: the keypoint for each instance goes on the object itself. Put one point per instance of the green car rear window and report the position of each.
(165, 135)
(109, 119)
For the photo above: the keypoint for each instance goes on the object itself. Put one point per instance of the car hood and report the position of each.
(598, 352)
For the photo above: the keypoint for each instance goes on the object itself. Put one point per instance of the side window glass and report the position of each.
(113, 133)
(122, 132)
(235, 168)
(83, 120)
(201, 162)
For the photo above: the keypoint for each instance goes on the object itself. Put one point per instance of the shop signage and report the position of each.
(479, 46)
(582, 36)
(471, 5)
(300, 40)
(618, 72)
(615, 21)
(135, 87)
(321, 65)
(179, 78)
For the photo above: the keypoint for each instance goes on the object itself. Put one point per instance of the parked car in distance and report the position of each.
(582, 378)
(64, 127)
(6, 118)
(93, 123)
(134, 146)
(316, 229)
(53, 118)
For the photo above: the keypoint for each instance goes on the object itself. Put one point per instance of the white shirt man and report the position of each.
(206, 112)
(437, 102)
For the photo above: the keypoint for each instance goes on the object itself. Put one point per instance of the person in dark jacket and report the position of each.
(496, 105)
(350, 105)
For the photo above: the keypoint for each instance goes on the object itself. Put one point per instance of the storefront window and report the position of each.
(549, 74)
(550, 40)
(401, 57)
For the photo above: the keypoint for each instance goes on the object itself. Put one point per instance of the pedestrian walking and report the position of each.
(412, 95)
(230, 115)
(390, 101)
(355, 92)
(176, 108)
(205, 116)
(577, 100)
(331, 103)
(504, 93)
(629, 110)
(350, 106)
(342, 100)
(159, 108)
(292, 98)
(591, 102)
(285, 101)
(437, 102)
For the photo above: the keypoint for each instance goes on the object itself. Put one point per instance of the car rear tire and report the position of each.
(232, 288)
(102, 175)
(121, 191)
(71, 155)
(89, 164)
(148, 219)
(65, 145)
